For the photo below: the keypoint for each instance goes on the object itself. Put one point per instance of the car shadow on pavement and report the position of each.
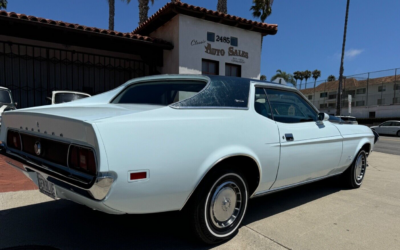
(275, 203)
(65, 225)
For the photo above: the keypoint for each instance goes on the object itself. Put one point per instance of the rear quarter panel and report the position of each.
(178, 147)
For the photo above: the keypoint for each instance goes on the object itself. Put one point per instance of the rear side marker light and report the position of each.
(138, 175)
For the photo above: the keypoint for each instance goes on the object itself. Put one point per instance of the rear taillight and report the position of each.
(82, 159)
(13, 140)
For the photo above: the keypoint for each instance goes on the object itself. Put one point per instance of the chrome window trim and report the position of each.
(289, 90)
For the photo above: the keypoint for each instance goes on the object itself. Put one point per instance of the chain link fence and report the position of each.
(367, 91)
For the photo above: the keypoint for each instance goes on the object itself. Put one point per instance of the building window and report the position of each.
(323, 105)
(397, 87)
(210, 37)
(381, 101)
(323, 94)
(349, 92)
(396, 100)
(234, 41)
(332, 105)
(361, 91)
(210, 67)
(233, 70)
(310, 97)
(372, 114)
(381, 88)
(360, 103)
(332, 95)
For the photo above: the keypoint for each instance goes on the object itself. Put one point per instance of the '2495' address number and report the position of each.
(223, 39)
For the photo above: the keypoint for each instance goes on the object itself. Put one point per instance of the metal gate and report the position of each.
(32, 72)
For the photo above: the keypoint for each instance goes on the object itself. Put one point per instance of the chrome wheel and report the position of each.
(226, 204)
(360, 166)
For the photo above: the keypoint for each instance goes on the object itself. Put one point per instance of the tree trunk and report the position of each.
(222, 6)
(111, 4)
(339, 93)
(143, 10)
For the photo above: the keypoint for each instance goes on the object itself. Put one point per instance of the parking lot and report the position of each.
(321, 215)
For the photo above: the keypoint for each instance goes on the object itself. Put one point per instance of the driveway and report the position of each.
(321, 215)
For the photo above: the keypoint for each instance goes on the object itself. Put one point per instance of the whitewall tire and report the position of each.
(219, 206)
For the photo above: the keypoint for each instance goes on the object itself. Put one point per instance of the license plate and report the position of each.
(46, 187)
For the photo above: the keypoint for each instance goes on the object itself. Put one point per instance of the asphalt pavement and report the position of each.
(388, 145)
(321, 215)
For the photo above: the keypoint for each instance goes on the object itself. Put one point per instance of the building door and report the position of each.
(210, 67)
(233, 70)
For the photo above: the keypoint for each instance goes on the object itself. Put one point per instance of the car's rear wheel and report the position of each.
(219, 206)
(354, 175)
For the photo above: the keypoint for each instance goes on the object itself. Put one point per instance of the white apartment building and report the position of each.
(371, 98)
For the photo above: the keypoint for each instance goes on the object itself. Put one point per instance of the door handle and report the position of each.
(289, 137)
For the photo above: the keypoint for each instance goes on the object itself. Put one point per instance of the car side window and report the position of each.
(261, 104)
(386, 124)
(290, 107)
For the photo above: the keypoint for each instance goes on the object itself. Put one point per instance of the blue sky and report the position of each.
(309, 34)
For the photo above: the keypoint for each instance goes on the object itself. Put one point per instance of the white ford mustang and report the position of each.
(199, 143)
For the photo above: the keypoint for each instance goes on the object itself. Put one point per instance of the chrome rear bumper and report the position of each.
(97, 191)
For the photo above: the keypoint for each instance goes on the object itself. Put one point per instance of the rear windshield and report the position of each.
(222, 92)
(68, 97)
(5, 96)
(227, 92)
(159, 93)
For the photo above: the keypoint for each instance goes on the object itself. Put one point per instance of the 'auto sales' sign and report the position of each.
(221, 52)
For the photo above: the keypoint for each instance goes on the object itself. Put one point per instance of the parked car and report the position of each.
(206, 144)
(62, 96)
(6, 101)
(335, 119)
(348, 119)
(388, 128)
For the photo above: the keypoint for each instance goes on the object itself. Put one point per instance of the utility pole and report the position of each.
(339, 93)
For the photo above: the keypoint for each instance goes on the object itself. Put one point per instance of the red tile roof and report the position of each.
(173, 8)
(23, 17)
(351, 83)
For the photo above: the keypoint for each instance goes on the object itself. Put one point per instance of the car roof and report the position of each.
(1, 87)
(203, 77)
(67, 91)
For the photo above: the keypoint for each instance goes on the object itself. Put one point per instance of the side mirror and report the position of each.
(16, 104)
(323, 117)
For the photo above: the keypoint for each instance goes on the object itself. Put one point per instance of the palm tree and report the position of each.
(301, 77)
(262, 9)
(143, 10)
(222, 6)
(315, 74)
(111, 11)
(339, 94)
(331, 78)
(296, 75)
(285, 76)
(306, 74)
(3, 4)
(263, 77)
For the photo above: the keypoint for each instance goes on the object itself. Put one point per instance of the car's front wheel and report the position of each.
(219, 206)
(398, 133)
(354, 175)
